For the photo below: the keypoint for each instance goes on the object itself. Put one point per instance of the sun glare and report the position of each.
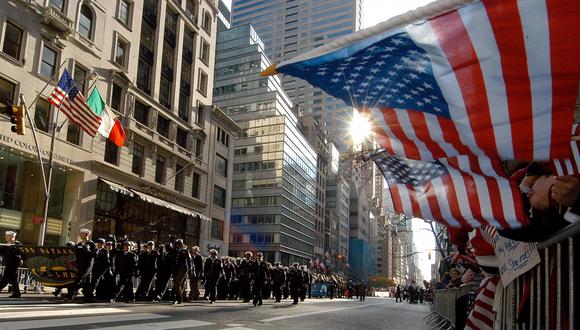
(360, 128)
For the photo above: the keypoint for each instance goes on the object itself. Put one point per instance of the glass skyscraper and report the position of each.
(291, 27)
(274, 183)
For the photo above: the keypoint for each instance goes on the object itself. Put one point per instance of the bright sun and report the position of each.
(360, 128)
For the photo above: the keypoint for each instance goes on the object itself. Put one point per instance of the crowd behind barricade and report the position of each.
(412, 293)
(552, 202)
(122, 270)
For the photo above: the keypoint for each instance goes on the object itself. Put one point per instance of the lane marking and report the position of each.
(53, 323)
(162, 325)
(278, 318)
(64, 312)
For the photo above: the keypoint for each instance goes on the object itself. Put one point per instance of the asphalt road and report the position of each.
(374, 313)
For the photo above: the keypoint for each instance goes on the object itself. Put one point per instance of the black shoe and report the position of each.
(14, 296)
(260, 303)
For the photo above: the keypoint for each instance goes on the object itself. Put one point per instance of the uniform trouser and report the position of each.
(161, 284)
(277, 290)
(257, 288)
(145, 285)
(245, 288)
(234, 289)
(194, 288)
(10, 277)
(125, 287)
(398, 297)
(295, 293)
(105, 286)
(210, 287)
(331, 293)
(178, 284)
(303, 290)
(96, 277)
(83, 280)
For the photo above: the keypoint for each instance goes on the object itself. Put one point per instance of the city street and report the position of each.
(375, 313)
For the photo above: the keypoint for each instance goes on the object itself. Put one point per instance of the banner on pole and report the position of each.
(51, 266)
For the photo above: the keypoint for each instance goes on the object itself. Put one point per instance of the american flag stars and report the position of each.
(394, 73)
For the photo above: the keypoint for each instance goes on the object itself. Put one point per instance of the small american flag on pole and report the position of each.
(70, 100)
(462, 192)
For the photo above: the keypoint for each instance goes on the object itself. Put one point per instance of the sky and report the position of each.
(374, 12)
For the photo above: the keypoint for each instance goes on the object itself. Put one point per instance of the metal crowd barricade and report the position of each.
(443, 314)
(544, 297)
(25, 280)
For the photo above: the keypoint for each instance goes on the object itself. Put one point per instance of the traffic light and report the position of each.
(16, 113)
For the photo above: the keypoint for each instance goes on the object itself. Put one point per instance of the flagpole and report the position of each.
(33, 126)
(42, 232)
(48, 83)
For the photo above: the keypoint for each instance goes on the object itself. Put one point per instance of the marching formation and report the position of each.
(107, 269)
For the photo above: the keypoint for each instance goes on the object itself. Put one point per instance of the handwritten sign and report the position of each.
(514, 258)
(51, 266)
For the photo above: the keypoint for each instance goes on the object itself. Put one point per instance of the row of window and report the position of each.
(255, 238)
(260, 219)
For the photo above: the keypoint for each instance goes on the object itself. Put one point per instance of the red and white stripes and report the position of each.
(482, 316)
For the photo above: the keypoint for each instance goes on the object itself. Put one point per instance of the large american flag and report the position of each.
(467, 82)
(70, 100)
(462, 191)
(492, 77)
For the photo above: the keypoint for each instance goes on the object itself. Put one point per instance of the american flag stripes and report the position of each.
(462, 191)
(570, 165)
(70, 100)
(482, 316)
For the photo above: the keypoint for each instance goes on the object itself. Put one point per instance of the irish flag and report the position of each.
(110, 125)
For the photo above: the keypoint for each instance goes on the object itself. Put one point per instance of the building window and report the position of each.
(219, 196)
(199, 148)
(196, 179)
(141, 113)
(41, 115)
(199, 119)
(183, 108)
(144, 76)
(223, 137)
(12, 41)
(217, 229)
(181, 138)
(207, 22)
(73, 133)
(117, 97)
(165, 91)
(163, 126)
(48, 65)
(160, 169)
(59, 4)
(80, 78)
(204, 52)
(221, 165)
(138, 158)
(202, 83)
(125, 12)
(179, 177)
(86, 22)
(190, 9)
(121, 52)
(7, 91)
(111, 153)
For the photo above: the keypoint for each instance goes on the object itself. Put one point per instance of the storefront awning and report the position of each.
(160, 202)
(118, 188)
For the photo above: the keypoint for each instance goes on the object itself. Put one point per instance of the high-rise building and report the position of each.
(274, 187)
(153, 63)
(316, 135)
(291, 27)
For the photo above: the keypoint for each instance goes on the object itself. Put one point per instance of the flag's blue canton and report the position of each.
(392, 73)
(399, 170)
(67, 84)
